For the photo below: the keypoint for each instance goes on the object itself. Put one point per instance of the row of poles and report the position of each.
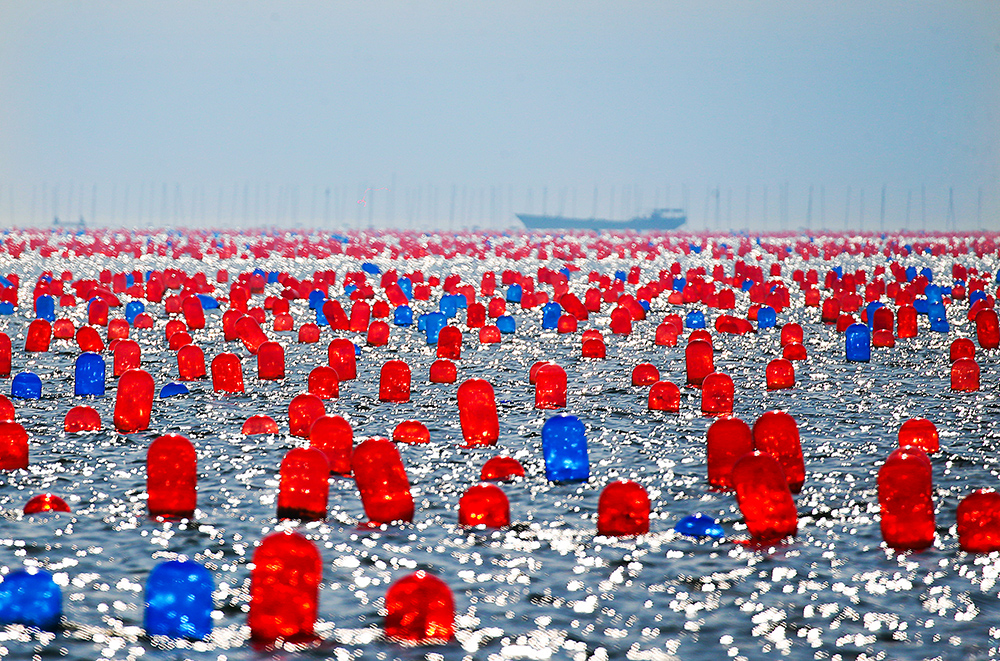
(493, 207)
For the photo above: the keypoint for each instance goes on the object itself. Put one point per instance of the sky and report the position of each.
(422, 113)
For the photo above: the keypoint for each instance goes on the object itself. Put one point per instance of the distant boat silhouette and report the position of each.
(658, 220)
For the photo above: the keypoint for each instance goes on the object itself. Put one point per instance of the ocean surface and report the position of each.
(547, 587)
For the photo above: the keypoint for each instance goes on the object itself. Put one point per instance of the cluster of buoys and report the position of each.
(763, 463)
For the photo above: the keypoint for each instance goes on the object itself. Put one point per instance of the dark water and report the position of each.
(548, 587)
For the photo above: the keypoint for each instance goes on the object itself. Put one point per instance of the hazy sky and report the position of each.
(512, 94)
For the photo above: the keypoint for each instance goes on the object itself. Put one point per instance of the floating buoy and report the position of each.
(921, 433)
(621, 321)
(717, 394)
(780, 374)
(987, 329)
(30, 597)
(564, 446)
(883, 338)
(962, 347)
(501, 469)
(88, 339)
(227, 373)
(284, 589)
(394, 382)
(419, 610)
(593, 348)
(26, 385)
(117, 329)
(764, 498)
(302, 412)
(550, 387)
(45, 502)
(699, 361)
(97, 312)
(381, 479)
(664, 396)
(623, 509)
(412, 432)
(777, 434)
(645, 374)
(378, 334)
(81, 418)
(7, 411)
(172, 389)
(308, 334)
(477, 413)
(127, 356)
(63, 329)
(965, 375)
(904, 497)
(259, 424)
(179, 600)
(699, 525)
(794, 351)
(270, 361)
(178, 340)
(443, 371)
(134, 401)
(333, 435)
(727, 440)
(191, 363)
(88, 375)
(489, 335)
(194, 312)
(857, 343)
(39, 336)
(449, 344)
(304, 487)
(342, 357)
(171, 478)
(978, 519)
(249, 332)
(906, 321)
(324, 382)
(484, 505)
(791, 332)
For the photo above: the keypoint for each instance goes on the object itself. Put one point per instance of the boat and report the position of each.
(658, 220)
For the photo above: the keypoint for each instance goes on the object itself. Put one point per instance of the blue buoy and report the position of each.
(564, 445)
(179, 600)
(316, 299)
(207, 302)
(433, 323)
(133, 309)
(678, 284)
(621, 275)
(403, 316)
(30, 597)
(172, 389)
(26, 385)
(407, 286)
(857, 343)
(911, 271)
(448, 306)
(45, 308)
(371, 269)
(699, 525)
(921, 305)
(89, 375)
(550, 316)
(938, 317)
(514, 293)
(694, 319)
(766, 317)
(321, 319)
(927, 273)
(506, 324)
(272, 277)
(6, 308)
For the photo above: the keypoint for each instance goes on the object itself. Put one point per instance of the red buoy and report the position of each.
(962, 347)
(333, 435)
(127, 356)
(699, 361)
(171, 478)
(623, 509)
(88, 339)
(249, 332)
(763, 497)
(341, 357)
(978, 521)
(284, 589)
(500, 469)
(593, 348)
(791, 332)
(920, 433)
(394, 382)
(38, 337)
(728, 439)
(227, 373)
(776, 433)
(645, 374)
(190, 362)
(419, 610)
(381, 479)
(664, 396)
(443, 371)
(987, 329)
(45, 502)
(378, 334)
(717, 393)
(780, 374)
(484, 505)
(302, 412)
(550, 387)
(965, 375)
(13, 446)
(449, 343)
(81, 418)
(308, 333)
(259, 424)
(270, 361)
(906, 321)
(477, 413)
(412, 432)
(304, 487)
(134, 401)
(904, 497)
(324, 382)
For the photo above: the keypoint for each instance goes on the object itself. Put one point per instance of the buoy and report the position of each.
(173, 389)
(443, 371)
(777, 434)
(717, 394)
(26, 385)
(81, 418)
(394, 382)
(857, 343)
(134, 401)
(699, 361)
(270, 361)
(342, 357)
(179, 600)
(194, 313)
(227, 373)
(88, 375)
(623, 509)
(30, 597)
(191, 363)
(906, 321)
(780, 374)
(171, 478)
(965, 375)
(987, 329)
(304, 487)
(593, 348)
(564, 446)
(378, 334)
(302, 412)
(621, 321)
(489, 335)
(699, 525)
(501, 469)
(484, 505)
(449, 344)
(284, 589)
(550, 387)
(39, 336)
(97, 312)
(921, 433)
(477, 413)
(904, 497)
(381, 479)
(791, 332)
(127, 356)
(664, 396)
(45, 502)
(324, 382)
(419, 610)
(763, 497)
(308, 334)
(179, 340)
(794, 351)
(117, 329)
(412, 432)
(645, 374)
(332, 435)
(727, 440)
(249, 332)
(7, 411)
(978, 519)
(259, 424)
(88, 339)
(962, 347)
(63, 329)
